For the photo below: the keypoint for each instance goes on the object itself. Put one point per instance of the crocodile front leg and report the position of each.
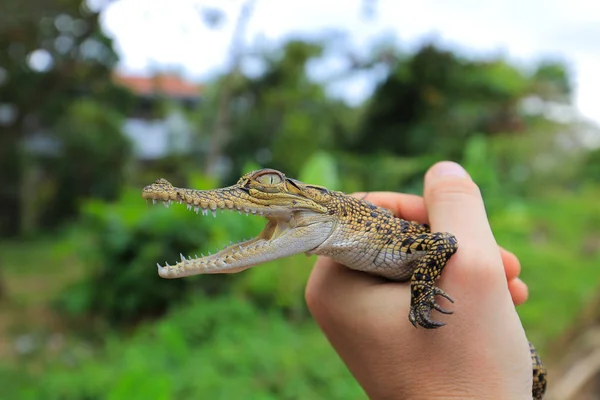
(439, 247)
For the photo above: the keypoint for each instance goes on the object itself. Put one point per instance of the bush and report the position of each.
(230, 349)
(127, 239)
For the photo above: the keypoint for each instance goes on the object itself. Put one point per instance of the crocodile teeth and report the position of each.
(153, 201)
(197, 208)
(182, 257)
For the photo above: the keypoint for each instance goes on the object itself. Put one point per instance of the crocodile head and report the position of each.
(299, 218)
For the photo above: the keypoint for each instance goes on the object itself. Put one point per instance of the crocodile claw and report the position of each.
(420, 308)
(443, 310)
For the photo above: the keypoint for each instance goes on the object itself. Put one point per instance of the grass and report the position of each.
(558, 243)
(33, 273)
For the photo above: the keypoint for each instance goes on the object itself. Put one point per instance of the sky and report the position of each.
(152, 35)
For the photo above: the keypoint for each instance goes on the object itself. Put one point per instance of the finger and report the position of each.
(455, 205)
(518, 291)
(407, 206)
(512, 265)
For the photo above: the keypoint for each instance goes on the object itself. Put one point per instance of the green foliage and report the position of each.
(91, 138)
(278, 284)
(127, 240)
(556, 240)
(434, 100)
(221, 348)
(591, 169)
(383, 172)
(480, 162)
(280, 117)
(551, 80)
(321, 169)
(58, 55)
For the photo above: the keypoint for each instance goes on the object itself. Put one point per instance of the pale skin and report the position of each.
(482, 352)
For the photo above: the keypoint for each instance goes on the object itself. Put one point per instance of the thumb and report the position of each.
(455, 205)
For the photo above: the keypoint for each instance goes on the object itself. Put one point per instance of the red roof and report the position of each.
(168, 85)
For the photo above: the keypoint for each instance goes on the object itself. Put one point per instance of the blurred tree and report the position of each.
(551, 82)
(428, 107)
(92, 140)
(434, 100)
(221, 127)
(591, 169)
(55, 55)
(235, 98)
(280, 117)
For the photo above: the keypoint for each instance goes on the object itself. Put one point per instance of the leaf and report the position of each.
(321, 169)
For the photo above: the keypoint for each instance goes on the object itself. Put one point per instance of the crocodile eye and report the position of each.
(269, 179)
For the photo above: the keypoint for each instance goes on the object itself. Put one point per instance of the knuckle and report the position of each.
(453, 190)
(480, 267)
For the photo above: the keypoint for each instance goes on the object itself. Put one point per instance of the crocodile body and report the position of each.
(304, 218)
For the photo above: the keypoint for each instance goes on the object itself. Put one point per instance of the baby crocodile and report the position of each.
(304, 218)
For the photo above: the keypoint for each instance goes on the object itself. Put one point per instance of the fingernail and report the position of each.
(448, 168)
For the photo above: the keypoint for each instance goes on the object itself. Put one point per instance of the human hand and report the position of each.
(482, 352)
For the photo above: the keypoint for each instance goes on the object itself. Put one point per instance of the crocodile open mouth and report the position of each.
(227, 260)
(291, 228)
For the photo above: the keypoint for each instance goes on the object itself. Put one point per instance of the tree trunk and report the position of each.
(11, 164)
(221, 133)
